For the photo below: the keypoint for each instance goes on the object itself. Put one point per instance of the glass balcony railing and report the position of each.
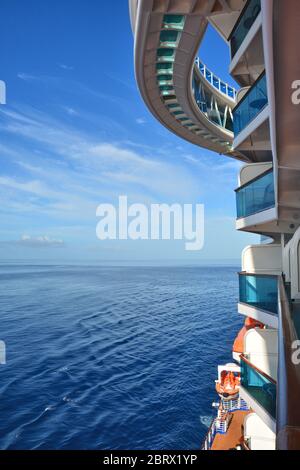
(169, 38)
(256, 196)
(259, 291)
(244, 24)
(250, 105)
(173, 22)
(165, 55)
(259, 385)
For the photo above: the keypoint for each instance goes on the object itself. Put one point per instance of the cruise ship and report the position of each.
(258, 123)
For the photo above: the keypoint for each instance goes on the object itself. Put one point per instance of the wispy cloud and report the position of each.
(140, 121)
(43, 241)
(66, 67)
(60, 173)
(70, 111)
(26, 76)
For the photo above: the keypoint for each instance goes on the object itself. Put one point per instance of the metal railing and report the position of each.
(221, 424)
(210, 436)
(215, 81)
(288, 409)
(238, 404)
(216, 110)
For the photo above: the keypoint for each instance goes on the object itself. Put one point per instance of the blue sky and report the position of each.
(75, 133)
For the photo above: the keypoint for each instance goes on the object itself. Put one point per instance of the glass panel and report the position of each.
(166, 87)
(244, 25)
(173, 21)
(170, 98)
(223, 88)
(216, 82)
(251, 105)
(208, 75)
(166, 67)
(173, 105)
(165, 77)
(231, 92)
(165, 52)
(256, 197)
(259, 387)
(169, 36)
(259, 291)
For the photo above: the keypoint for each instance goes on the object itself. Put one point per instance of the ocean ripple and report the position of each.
(112, 358)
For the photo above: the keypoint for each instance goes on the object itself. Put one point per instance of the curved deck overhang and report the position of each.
(172, 84)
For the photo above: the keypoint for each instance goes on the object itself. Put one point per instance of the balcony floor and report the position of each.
(234, 435)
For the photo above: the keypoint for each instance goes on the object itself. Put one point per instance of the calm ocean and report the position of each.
(110, 357)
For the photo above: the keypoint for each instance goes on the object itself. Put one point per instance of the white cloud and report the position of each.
(140, 121)
(35, 242)
(26, 76)
(40, 241)
(86, 157)
(66, 67)
(70, 111)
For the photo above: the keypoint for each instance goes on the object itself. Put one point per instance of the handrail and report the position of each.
(228, 87)
(244, 444)
(245, 273)
(288, 410)
(266, 376)
(220, 105)
(206, 444)
(245, 185)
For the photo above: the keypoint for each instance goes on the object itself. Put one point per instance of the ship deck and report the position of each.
(233, 437)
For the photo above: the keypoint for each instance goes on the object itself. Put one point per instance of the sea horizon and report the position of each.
(125, 263)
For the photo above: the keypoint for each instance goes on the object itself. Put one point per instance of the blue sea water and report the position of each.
(112, 357)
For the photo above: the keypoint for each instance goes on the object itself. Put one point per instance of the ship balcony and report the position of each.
(259, 391)
(257, 435)
(251, 121)
(258, 297)
(255, 197)
(246, 44)
(243, 26)
(258, 283)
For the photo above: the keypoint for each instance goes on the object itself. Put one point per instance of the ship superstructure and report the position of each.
(258, 124)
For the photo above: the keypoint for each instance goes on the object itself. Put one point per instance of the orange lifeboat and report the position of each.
(250, 323)
(228, 386)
